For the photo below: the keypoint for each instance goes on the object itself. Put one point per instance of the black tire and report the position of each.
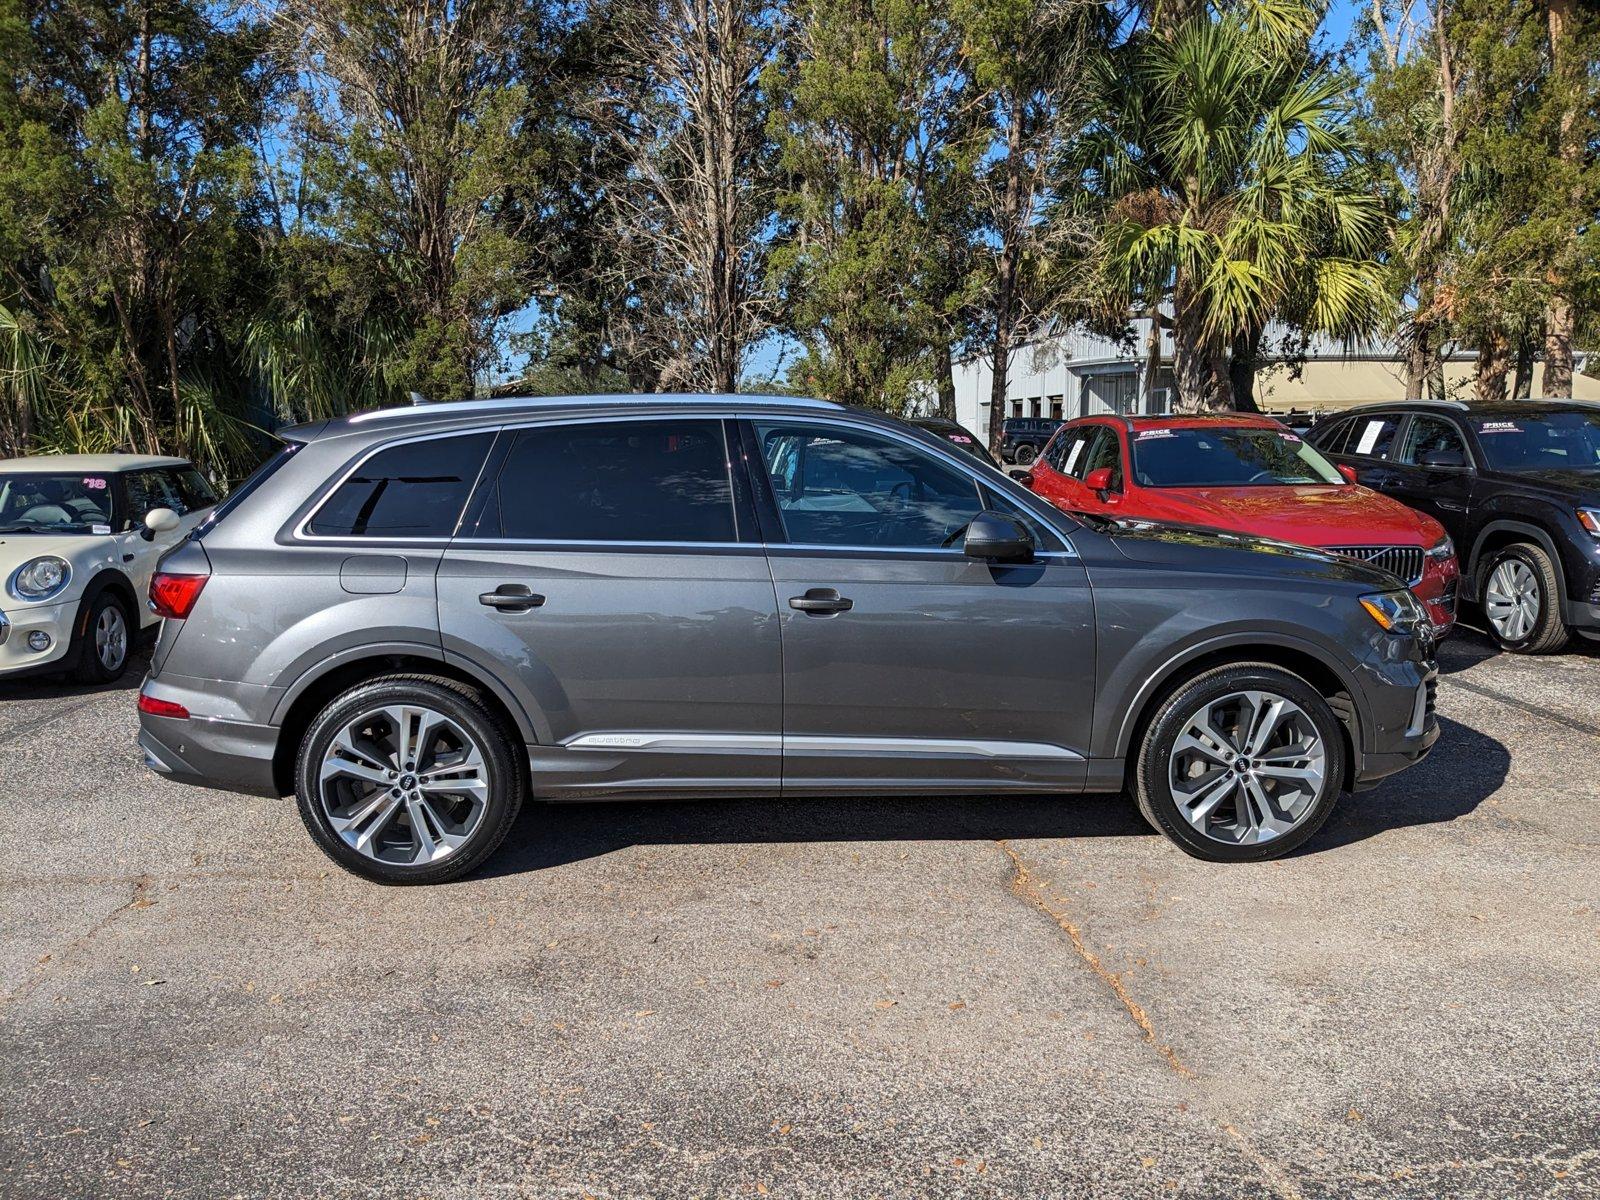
(90, 666)
(1152, 786)
(1025, 454)
(1548, 633)
(500, 748)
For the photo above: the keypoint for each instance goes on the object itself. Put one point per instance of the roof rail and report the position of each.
(618, 399)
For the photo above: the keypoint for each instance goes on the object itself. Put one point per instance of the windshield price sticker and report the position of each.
(93, 483)
(1146, 434)
(1499, 427)
(1369, 437)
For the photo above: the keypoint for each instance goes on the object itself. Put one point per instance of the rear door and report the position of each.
(610, 577)
(906, 664)
(1368, 442)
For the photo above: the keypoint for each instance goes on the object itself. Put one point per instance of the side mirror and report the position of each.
(1444, 459)
(158, 520)
(1099, 480)
(1025, 478)
(1349, 473)
(998, 538)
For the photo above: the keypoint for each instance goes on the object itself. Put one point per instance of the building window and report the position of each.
(1055, 408)
(1016, 408)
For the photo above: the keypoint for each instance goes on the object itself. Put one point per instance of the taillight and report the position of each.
(162, 708)
(174, 596)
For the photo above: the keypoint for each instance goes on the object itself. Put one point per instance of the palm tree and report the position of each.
(1224, 173)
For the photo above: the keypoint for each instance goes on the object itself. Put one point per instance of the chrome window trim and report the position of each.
(300, 534)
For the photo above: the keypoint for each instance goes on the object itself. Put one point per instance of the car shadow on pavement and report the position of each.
(1467, 766)
(56, 687)
(1470, 646)
(551, 835)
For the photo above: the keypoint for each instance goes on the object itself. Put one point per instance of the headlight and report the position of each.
(1445, 549)
(1397, 612)
(1589, 518)
(40, 578)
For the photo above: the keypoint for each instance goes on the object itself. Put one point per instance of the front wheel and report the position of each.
(1241, 764)
(104, 640)
(408, 779)
(1521, 599)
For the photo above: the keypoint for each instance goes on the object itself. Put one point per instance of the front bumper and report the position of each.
(55, 620)
(1398, 740)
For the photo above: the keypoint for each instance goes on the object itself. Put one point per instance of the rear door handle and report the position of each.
(512, 597)
(821, 602)
(1451, 506)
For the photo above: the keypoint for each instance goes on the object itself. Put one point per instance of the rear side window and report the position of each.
(618, 481)
(193, 489)
(1372, 437)
(1066, 449)
(415, 490)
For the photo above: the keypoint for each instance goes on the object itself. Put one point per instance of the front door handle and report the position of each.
(821, 602)
(512, 597)
(1451, 505)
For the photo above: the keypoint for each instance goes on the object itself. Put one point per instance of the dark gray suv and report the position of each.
(414, 618)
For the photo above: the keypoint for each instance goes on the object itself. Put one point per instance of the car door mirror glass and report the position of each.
(159, 520)
(994, 536)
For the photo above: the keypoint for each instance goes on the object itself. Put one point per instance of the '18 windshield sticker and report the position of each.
(93, 483)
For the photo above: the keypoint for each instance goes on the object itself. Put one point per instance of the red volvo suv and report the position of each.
(1247, 474)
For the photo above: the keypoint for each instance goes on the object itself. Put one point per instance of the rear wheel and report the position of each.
(104, 640)
(1025, 454)
(1241, 764)
(1522, 600)
(408, 779)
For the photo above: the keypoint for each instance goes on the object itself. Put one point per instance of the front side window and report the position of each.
(846, 487)
(148, 490)
(1557, 441)
(1215, 456)
(1429, 435)
(414, 490)
(192, 489)
(35, 503)
(618, 481)
(1103, 450)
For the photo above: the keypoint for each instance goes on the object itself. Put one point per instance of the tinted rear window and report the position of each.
(415, 490)
(619, 481)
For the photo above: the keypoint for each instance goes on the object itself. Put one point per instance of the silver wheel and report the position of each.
(111, 638)
(404, 784)
(1247, 767)
(1513, 599)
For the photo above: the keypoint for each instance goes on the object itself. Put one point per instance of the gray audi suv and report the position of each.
(412, 619)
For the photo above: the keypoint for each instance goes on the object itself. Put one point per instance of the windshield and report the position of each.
(1243, 456)
(61, 503)
(1557, 441)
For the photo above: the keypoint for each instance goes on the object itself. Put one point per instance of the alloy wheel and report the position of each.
(404, 784)
(111, 638)
(1247, 767)
(1512, 599)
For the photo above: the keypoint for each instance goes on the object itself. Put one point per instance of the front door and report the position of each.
(907, 665)
(607, 577)
(1443, 492)
(144, 490)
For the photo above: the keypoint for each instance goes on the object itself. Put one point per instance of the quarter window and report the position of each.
(414, 490)
(845, 487)
(618, 481)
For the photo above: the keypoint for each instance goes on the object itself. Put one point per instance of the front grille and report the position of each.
(1404, 561)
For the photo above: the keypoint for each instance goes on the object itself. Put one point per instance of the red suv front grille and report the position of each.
(1404, 561)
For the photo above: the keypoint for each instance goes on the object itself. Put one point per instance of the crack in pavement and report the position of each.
(138, 900)
(1027, 887)
(1477, 689)
(16, 732)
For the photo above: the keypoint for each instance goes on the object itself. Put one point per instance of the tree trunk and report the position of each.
(1242, 369)
(1005, 284)
(945, 367)
(1494, 361)
(1417, 359)
(1523, 386)
(1152, 365)
(1559, 321)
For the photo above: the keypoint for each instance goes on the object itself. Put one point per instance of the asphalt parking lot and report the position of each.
(959, 998)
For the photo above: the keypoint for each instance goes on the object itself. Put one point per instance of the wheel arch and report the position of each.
(1503, 532)
(1297, 657)
(312, 692)
(107, 579)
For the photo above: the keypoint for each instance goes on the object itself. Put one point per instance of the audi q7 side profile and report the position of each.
(412, 619)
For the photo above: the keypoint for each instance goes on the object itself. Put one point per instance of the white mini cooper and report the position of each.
(79, 539)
